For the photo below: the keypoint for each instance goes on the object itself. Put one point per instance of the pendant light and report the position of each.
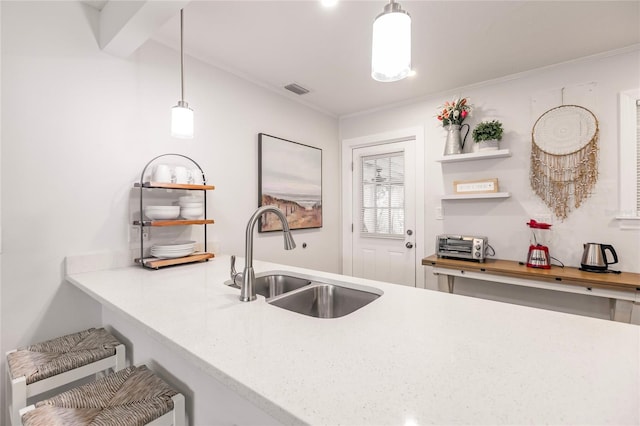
(391, 47)
(181, 114)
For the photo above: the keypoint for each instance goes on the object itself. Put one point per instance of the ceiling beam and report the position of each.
(126, 25)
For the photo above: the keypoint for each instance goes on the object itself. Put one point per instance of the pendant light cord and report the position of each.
(181, 55)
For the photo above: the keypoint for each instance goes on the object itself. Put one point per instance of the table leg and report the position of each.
(441, 282)
(450, 282)
(620, 310)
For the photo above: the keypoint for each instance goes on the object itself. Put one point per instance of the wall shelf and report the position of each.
(481, 155)
(476, 196)
(155, 263)
(176, 222)
(164, 185)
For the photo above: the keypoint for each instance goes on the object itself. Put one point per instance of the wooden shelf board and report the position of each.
(164, 185)
(156, 263)
(481, 155)
(176, 222)
(476, 196)
(568, 275)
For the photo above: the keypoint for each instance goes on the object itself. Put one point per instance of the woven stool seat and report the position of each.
(55, 356)
(132, 396)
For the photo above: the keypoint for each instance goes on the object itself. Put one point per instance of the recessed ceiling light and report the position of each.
(328, 3)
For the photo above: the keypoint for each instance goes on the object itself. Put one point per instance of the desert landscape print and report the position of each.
(290, 179)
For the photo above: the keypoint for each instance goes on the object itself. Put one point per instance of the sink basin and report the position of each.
(322, 300)
(312, 296)
(272, 285)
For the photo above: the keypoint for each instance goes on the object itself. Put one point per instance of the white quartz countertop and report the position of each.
(410, 357)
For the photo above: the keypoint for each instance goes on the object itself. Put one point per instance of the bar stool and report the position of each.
(129, 397)
(45, 366)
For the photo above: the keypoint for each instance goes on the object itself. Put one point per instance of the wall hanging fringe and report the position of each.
(564, 157)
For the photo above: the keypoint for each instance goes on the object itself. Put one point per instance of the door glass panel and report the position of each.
(397, 221)
(382, 195)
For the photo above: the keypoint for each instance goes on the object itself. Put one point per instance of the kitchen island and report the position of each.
(410, 357)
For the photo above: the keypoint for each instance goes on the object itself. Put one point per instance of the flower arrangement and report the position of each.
(487, 131)
(454, 112)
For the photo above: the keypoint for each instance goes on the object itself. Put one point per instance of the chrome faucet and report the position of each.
(246, 279)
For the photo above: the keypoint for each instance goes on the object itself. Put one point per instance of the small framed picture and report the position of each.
(483, 186)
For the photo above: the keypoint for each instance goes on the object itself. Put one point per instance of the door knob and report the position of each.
(409, 245)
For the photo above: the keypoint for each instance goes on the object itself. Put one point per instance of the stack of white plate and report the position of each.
(191, 207)
(173, 250)
(162, 212)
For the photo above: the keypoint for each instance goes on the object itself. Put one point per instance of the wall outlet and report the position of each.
(439, 213)
(134, 234)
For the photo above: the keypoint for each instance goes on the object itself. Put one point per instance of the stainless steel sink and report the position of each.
(275, 284)
(312, 296)
(322, 300)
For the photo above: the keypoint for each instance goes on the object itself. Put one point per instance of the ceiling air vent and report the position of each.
(296, 88)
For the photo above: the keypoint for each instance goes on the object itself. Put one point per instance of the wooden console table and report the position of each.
(622, 290)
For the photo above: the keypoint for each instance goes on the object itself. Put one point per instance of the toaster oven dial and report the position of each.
(477, 254)
(478, 247)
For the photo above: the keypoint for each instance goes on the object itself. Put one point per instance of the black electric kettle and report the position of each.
(594, 257)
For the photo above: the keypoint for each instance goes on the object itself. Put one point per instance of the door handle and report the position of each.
(409, 245)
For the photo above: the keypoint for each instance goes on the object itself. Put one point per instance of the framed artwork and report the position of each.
(290, 178)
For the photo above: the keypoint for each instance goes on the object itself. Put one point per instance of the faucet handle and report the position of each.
(233, 273)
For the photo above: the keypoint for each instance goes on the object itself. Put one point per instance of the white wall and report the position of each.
(517, 102)
(2, 398)
(79, 125)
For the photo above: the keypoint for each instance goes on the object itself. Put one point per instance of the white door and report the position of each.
(383, 212)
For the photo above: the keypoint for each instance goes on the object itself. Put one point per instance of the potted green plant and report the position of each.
(487, 135)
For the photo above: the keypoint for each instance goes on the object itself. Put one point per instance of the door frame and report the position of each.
(348, 145)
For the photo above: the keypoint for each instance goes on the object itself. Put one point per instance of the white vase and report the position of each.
(490, 145)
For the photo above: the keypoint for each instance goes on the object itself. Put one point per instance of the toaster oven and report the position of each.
(462, 247)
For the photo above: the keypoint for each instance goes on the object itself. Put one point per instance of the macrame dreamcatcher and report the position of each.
(564, 157)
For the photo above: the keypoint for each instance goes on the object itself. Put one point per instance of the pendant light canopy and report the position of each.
(181, 114)
(391, 48)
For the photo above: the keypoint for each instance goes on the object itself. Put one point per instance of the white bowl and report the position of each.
(190, 199)
(191, 212)
(194, 204)
(160, 208)
(162, 212)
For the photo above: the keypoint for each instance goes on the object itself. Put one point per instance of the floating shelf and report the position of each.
(173, 185)
(155, 263)
(476, 196)
(175, 222)
(481, 155)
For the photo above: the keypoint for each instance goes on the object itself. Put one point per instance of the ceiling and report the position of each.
(454, 43)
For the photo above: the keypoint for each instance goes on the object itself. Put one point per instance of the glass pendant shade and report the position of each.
(182, 121)
(391, 48)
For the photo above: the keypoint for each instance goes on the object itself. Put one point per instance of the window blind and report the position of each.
(382, 195)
